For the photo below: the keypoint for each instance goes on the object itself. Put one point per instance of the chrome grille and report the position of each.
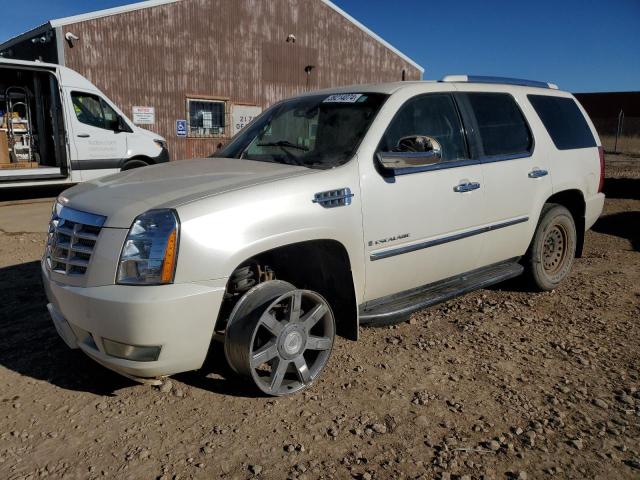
(71, 240)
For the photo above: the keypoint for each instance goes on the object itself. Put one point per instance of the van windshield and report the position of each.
(319, 131)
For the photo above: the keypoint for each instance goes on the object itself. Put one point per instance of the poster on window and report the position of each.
(242, 116)
(144, 115)
(207, 119)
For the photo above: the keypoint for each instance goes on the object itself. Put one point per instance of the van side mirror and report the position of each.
(411, 152)
(119, 125)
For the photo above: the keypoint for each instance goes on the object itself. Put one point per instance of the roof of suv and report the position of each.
(393, 87)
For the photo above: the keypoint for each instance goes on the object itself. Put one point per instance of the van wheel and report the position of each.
(550, 256)
(280, 337)
(135, 163)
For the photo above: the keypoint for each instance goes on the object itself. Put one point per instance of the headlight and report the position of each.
(160, 143)
(149, 253)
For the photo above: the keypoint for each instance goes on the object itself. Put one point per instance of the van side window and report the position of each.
(92, 110)
(501, 125)
(431, 115)
(564, 121)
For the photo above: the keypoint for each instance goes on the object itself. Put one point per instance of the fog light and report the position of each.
(131, 352)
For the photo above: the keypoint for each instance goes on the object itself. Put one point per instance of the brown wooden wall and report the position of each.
(232, 49)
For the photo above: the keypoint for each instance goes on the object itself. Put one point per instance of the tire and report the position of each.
(280, 337)
(553, 248)
(135, 163)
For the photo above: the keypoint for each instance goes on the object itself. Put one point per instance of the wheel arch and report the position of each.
(321, 265)
(143, 158)
(573, 200)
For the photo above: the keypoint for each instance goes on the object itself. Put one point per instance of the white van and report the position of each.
(56, 127)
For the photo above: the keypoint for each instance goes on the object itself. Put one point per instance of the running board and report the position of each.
(396, 308)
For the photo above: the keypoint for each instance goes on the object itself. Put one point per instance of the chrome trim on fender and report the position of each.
(439, 241)
(340, 197)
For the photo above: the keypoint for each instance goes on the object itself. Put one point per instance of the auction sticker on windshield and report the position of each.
(343, 98)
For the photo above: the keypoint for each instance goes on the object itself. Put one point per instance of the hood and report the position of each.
(124, 196)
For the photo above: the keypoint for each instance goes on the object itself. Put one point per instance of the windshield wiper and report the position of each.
(283, 143)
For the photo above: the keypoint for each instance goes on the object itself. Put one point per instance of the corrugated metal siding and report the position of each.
(233, 49)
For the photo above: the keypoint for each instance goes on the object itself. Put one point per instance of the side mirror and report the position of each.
(118, 125)
(411, 152)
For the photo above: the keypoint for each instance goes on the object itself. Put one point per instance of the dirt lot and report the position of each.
(501, 383)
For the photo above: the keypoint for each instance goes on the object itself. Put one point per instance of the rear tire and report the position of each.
(552, 251)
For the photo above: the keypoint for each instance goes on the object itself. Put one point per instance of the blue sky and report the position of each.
(582, 45)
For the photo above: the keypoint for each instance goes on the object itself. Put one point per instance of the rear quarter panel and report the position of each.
(577, 169)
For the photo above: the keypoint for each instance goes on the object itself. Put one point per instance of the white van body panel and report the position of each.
(92, 152)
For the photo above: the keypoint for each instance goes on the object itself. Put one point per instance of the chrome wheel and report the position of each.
(282, 340)
(554, 250)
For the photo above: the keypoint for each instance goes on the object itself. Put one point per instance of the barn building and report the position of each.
(212, 63)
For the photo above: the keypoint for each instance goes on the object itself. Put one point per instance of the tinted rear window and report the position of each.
(502, 127)
(564, 121)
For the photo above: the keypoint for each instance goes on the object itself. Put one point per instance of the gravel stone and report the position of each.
(493, 445)
(166, 386)
(598, 402)
(577, 443)
(379, 428)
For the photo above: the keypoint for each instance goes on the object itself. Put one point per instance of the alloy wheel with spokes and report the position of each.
(280, 336)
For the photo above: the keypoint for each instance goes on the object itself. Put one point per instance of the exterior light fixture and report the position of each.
(70, 38)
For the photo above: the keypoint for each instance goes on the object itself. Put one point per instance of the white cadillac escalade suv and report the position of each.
(352, 206)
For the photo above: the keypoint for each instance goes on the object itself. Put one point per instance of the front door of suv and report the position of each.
(515, 170)
(416, 219)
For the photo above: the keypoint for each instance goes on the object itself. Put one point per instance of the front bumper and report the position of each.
(179, 318)
(163, 157)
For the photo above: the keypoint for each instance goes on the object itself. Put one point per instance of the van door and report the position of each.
(515, 169)
(99, 142)
(419, 223)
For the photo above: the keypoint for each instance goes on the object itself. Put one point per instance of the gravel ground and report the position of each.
(501, 383)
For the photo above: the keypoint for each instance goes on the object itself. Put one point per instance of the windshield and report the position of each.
(319, 131)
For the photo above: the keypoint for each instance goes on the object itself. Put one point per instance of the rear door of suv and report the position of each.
(515, 168)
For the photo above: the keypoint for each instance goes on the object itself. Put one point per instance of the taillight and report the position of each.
(601, 184)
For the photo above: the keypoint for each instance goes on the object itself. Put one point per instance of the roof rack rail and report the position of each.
(503, 80)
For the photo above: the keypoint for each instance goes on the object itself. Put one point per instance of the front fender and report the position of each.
(219, 233)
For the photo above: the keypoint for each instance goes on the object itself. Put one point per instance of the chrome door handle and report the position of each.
(83, 135)
(466, 187)
(537, 173)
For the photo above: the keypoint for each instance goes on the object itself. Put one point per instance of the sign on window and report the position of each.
(242, 116)
(207, 119)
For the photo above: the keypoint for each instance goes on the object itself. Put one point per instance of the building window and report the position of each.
(206, 118)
